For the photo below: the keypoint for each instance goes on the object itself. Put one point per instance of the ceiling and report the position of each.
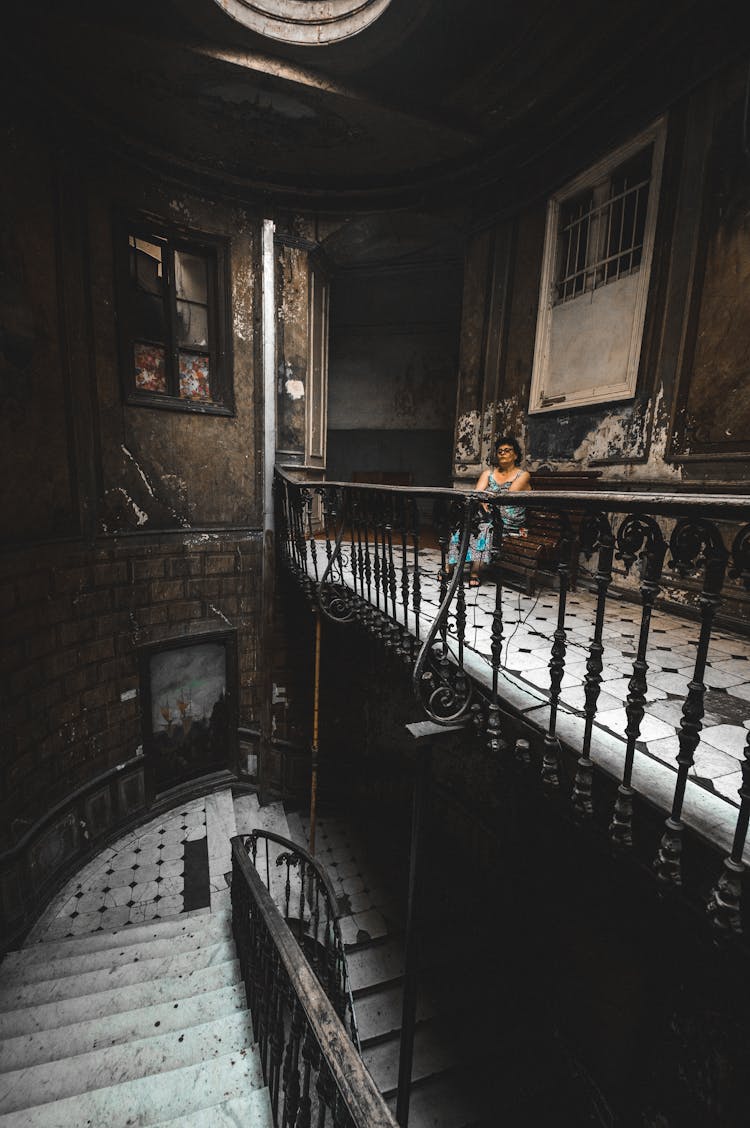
(438, 100)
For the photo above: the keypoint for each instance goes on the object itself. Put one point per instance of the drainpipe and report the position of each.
(268, 338)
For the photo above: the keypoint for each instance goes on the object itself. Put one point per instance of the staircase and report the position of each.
(145, 1025)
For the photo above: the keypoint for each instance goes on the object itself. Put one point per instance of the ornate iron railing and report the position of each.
(356, 549)
(307, 901)
(312, 1067)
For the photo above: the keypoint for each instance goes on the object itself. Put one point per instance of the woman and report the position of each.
(505, 477)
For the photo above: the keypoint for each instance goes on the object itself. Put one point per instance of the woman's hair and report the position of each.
(509, 440)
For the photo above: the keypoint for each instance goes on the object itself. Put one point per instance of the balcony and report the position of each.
(656, 700)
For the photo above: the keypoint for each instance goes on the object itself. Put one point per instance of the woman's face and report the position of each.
(506, 457)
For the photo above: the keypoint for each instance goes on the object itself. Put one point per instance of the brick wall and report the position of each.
(73, 619)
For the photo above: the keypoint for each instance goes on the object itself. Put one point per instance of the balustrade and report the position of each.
(310, 1059)
(386, 551)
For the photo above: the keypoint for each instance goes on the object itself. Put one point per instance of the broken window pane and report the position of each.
(192, 324)
(194, 376)
(190, 277)
(147, 278)
(150, 373)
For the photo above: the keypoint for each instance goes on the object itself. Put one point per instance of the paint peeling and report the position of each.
(295, 389)
(622, 434)
(221, 614)
(146, 482)
(140, 515)
(468, 436)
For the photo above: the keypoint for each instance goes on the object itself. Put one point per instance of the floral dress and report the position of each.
(480, 546)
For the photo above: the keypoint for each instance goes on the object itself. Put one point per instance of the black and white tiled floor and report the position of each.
(528, 626)
(153, 873)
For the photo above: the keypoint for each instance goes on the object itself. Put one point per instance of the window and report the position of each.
(172, 310)
(595, 274)
(310, 23)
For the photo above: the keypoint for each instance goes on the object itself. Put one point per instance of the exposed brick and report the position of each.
(64, 713)
(56, 610)
(82, 678)
(167, 590)
(32, 588)
(92, 603)
(185, 566)
(111, 574)
(220, 565)
(40, 643)
(94, 698)
(26, 679)
(147, 570)
(151, 616)
(21, 623)
(179, 612)
(60, 663)
(107, 671)
(77, 632)
(204, 589)
(127, 598)
(96, 651)
(74, 579)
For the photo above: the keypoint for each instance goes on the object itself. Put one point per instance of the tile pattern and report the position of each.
(138, 879)
(529, 623)
(369, 910)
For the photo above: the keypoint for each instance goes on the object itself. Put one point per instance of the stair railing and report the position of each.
(313, 1071)
(311, 911)
(364, 560)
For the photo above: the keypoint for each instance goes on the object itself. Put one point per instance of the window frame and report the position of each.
(542, 400)
(215, 249)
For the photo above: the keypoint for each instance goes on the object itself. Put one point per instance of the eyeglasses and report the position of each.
(505, 450)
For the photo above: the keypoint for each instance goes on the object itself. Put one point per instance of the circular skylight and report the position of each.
(306, 22)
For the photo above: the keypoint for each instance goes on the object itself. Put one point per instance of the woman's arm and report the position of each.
(482, 481)
(522, 482)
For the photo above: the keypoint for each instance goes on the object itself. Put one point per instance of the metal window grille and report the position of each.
(602, 230)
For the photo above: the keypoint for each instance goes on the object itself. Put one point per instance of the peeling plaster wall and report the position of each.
(292, 304)
(176, 468)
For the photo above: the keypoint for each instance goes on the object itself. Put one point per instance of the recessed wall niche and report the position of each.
(189, 697)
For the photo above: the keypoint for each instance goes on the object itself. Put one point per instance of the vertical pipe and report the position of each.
(411, 962)
(268, 307)
(314, 750)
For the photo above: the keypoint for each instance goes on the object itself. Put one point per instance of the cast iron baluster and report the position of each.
(693, 542)
(405, 647)
(595, 533)
(309, 1061)
(740, 569)
(326, 1091)
(292, 1086)
(724, 904)
(385, 529)
(368, 563)
(494, 729)
(444, 697)
(357, 516)
(416, 583)
(276, 1035)
(551, 747)
(311, 538)
(327, 518)
(637, 538)
(376, 504)
(393, 638)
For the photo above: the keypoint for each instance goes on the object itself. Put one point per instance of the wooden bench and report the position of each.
(535, 557)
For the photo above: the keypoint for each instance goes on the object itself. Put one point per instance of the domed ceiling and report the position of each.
(433, 100)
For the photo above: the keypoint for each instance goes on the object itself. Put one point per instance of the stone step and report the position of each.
(115, 1029)
(114, 1065)
(182, 951)
(433, 1054)
(174, 1094)
(249, 815)
(65, 1012)
(445, 1101)
(379, 1013)
(375, 965)
(119, 975)
(202, 925)
(253, 1111)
